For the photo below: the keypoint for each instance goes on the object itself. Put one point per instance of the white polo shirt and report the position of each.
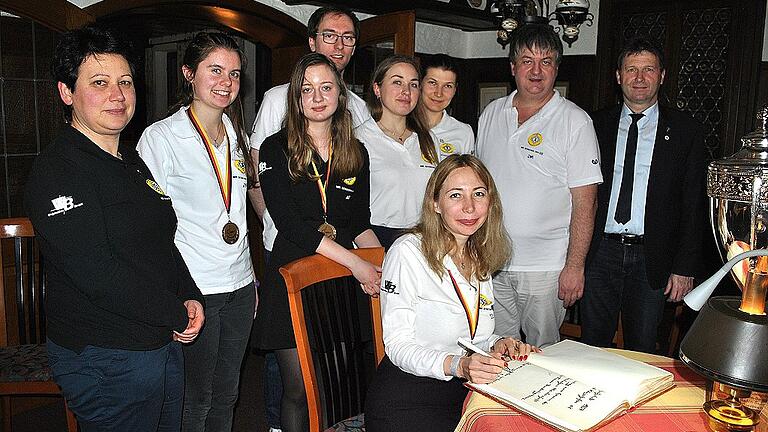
(399, 174)
(535, 165)
(269, 121)
(450, 130)
(176, 155)
(421, 313)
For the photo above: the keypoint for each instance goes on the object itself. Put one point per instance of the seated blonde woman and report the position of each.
(437, 288)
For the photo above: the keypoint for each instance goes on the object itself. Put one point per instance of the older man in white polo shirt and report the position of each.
(542, 151)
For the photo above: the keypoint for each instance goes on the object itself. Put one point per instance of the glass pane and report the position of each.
(45, 43)
(19, 108)
(18, 171)
(16, 54)
(358, 72)
(50, 112)
(3, 190)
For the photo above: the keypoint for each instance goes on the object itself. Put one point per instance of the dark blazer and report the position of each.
(675, 211)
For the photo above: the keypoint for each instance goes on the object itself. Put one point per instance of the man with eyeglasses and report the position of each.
(332, 32)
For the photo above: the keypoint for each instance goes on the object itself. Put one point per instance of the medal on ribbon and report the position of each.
(472, 315)
(229, 232)
(327, 229)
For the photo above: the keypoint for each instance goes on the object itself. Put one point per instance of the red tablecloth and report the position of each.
(677, 410)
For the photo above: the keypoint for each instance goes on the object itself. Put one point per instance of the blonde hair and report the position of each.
(347, 155)
(488, 248)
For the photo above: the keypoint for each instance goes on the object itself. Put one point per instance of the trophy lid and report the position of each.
(733, 177)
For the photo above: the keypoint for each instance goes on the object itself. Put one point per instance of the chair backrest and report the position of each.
(327, 313)
(22, 284)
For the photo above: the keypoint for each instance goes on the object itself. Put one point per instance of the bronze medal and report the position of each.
(328, 230)
(230, 233)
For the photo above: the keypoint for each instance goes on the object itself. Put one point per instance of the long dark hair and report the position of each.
(347, 156)
(202, 45)
(415, 120)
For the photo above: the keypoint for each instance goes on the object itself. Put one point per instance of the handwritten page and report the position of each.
(608, 371)
(552, 396)
(576, 387)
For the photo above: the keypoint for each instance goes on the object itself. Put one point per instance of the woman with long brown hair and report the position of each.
(315, 179)
(403, 151)
(438, 288)
(200, 158)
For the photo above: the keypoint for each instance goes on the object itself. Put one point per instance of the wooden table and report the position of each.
(677, 410)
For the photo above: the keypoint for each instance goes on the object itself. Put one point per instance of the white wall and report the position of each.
(433, 39)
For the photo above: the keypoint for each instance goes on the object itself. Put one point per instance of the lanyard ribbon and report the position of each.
(225, 182)
(323, 186)
(472, 316)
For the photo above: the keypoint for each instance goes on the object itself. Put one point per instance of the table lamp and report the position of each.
(728, 341)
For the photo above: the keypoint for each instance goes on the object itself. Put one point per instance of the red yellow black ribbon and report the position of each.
(225, 181)
(472, 316)
(324, 186)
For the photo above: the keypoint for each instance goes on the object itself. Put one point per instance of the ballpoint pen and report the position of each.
(469, 346)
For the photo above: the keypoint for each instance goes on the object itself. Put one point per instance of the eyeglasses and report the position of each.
(346, 39)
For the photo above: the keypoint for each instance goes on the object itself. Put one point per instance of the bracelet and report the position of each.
(455, 365)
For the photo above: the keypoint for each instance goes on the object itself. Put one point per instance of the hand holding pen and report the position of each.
(482, 367)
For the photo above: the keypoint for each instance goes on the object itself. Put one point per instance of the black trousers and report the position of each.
(398, 401)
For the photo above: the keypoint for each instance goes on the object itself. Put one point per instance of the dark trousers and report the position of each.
(214, 359)
(616, 281)
(398, 401)
(273, 384)
(119, 390)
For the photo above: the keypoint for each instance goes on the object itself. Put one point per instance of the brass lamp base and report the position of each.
(728, 415)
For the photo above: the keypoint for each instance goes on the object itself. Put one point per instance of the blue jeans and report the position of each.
(616, 281)
(214, 359)
(120, 390)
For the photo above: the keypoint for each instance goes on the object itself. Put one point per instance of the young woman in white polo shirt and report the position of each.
(438, 87)
(437, 288)
(402, 150)
(199, 157)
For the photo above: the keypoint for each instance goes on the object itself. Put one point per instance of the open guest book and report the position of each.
(576, 387)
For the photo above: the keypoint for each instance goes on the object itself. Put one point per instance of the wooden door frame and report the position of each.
(400, 27)
(58, 15)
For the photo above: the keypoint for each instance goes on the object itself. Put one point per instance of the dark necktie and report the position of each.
(624, 203)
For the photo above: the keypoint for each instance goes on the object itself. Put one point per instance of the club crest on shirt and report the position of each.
(263, 167)
(155, 187)
(350, 181)
(485, 302)
(389, 287)
(535, 139)
(240, 165)
(447, 148)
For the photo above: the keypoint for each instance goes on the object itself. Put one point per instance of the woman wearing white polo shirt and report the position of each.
(438, 288)
(199, 157)
(438, 87)
(403, 152)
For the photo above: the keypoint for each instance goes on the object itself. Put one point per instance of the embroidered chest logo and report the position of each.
(389, 287)
(155, 187)
(240, 165)
(350, 181)
(263, 168)
(535, 139)
(485, 302)
(63, 204)
(447, 148)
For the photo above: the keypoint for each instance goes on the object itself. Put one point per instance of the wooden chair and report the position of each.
(23, 359)
(326, 315)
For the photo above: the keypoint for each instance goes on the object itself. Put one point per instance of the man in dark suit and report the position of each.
(647, 240)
